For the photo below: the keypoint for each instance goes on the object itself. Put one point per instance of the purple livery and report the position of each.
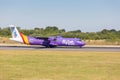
(47, 42)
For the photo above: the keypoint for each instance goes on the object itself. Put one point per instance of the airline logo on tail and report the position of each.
(15, 35)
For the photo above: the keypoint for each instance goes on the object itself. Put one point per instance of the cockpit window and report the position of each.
(79, 40)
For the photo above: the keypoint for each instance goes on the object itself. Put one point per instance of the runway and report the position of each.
(86, 48)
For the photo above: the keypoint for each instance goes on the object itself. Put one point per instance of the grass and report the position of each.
(102, 42)
(59, 65)
(5, 40)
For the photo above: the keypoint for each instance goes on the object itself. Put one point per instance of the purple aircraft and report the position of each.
(48, 42)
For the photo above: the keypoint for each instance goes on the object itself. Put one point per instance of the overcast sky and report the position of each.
(86, 15)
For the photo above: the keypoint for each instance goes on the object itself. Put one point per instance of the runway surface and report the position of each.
(97, 49)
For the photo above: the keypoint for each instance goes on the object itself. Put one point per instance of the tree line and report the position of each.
(110, 35)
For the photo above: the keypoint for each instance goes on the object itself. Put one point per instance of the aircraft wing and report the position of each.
(44, 38)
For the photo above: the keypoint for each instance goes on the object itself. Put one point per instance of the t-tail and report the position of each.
(18, 36)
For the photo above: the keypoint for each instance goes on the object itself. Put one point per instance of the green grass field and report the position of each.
(59, 65)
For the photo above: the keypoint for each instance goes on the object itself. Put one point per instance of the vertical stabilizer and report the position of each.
(15, 34)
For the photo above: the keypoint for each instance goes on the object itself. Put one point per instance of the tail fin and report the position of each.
(15, 34)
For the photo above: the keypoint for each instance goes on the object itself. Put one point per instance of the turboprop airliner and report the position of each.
(48, 42)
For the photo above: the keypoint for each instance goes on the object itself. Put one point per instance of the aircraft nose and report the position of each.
(83, 43)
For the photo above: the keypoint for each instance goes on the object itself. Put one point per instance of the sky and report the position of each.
(85, 15)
